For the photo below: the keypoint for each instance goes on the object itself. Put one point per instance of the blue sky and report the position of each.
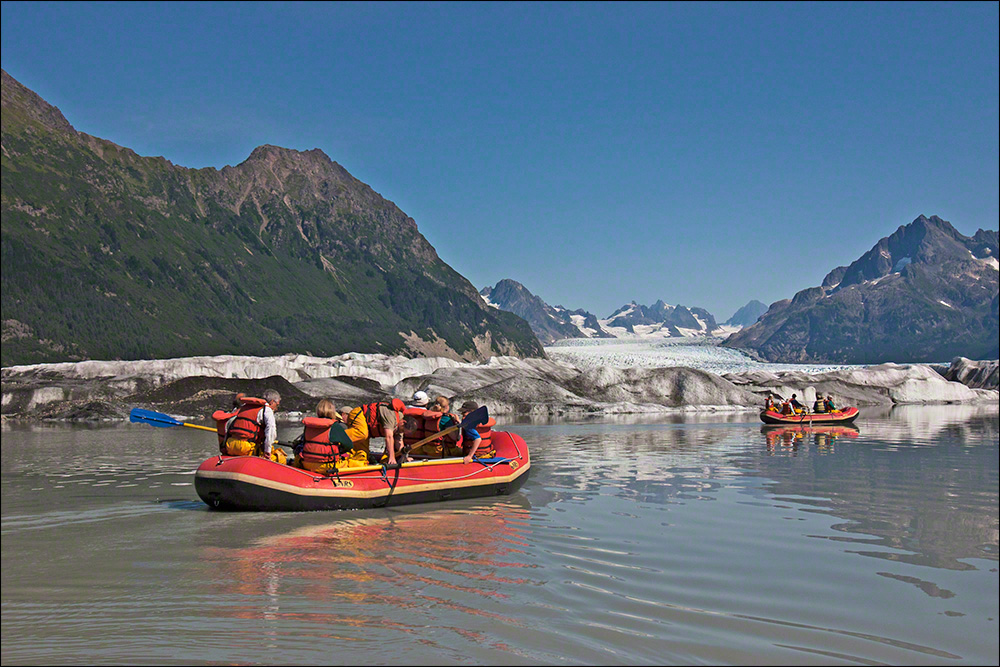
(703, 154)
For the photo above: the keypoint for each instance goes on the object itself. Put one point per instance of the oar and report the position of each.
(478, 416)
(475, 418)
(161, 420)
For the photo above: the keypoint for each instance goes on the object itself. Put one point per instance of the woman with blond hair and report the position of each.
(324, 445)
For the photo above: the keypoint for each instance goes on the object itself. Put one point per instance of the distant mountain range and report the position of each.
(926, 293)
(110, 255)
(552, 323)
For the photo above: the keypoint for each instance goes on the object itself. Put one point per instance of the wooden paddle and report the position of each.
(478, 416)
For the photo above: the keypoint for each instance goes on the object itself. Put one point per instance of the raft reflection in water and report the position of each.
(787, 439)
(352, 576)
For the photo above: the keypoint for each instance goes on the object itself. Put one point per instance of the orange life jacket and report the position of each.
(370, 411)
(485, 432)
(245, 426)
(316, 442)
(221, 417)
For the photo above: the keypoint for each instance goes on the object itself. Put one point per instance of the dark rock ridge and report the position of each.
(924, 294)
(110, 255)
(747, 315)
(975, 374)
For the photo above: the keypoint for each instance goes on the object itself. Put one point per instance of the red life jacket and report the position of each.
(420, 423)
(317, 447)
(221, 417)
(245, 426)
(370, 411)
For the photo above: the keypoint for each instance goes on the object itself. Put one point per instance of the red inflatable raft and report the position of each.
(254, 483)
(845, 416)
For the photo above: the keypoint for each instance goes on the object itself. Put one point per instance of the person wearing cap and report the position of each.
(470, 436)
(830, 407)
(420, 400)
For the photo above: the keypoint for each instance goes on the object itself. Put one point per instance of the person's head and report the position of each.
(345, 412)
(421, 398)
(326, 409)
(272, 397)
(469, 406)
(443, 404)
(829, 397)
(794, 395)
(238, 399)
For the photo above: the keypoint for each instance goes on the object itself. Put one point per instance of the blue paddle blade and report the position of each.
(152, 418)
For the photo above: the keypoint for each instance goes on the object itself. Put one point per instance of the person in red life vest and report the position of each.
(377, 420)
(324, 445)
(412, 416)
(473, 444)
(222, 418)
(252, 431)
(420, 400)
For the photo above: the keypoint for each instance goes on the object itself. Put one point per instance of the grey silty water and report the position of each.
(661, 541)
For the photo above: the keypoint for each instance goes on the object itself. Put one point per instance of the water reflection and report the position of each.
(786, 440)
(634, 541)
(923, 485)
(355, 571)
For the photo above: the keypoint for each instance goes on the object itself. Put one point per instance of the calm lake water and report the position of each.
(676, 541)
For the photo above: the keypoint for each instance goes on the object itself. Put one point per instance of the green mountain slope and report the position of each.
(107, 254)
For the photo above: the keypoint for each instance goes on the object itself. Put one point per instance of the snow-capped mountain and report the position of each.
(633, 320)
(925, 293)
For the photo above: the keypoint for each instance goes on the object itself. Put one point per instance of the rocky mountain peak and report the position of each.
(925, 240)
(18, 100)
(284, 252)
(924, 293)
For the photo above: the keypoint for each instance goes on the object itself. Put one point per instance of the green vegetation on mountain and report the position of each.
(107, 254)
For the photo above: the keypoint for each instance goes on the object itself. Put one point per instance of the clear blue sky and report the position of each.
(703, 154)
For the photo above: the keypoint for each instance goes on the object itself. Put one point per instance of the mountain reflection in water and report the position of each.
(673, 539)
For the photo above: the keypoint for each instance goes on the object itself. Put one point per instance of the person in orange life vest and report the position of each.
(451, 447)
(252, 431)
(428, 421)
(377, 420)
(796, 406)
(324, 445)
(470, 436)
(830, 407)
(222, 418)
